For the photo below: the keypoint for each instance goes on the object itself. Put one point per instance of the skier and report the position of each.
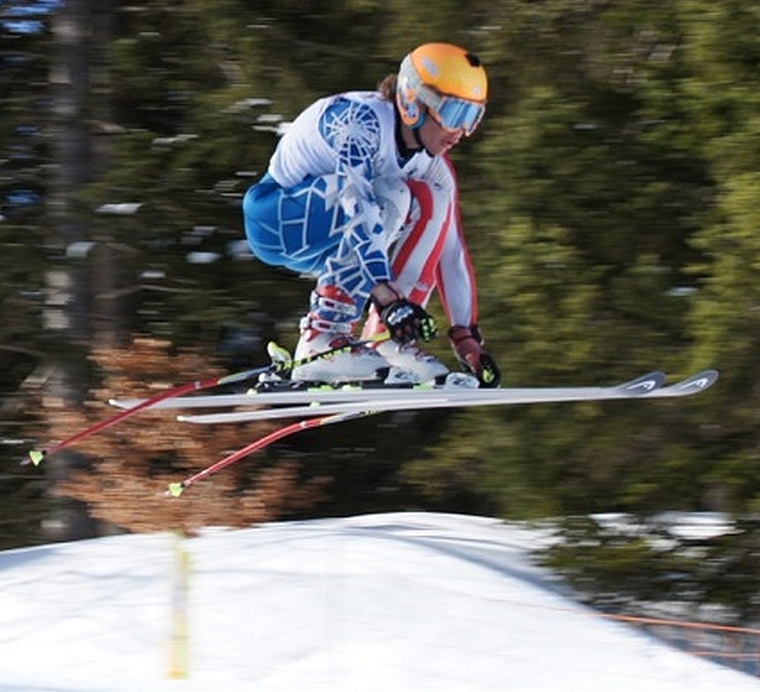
(361, 194)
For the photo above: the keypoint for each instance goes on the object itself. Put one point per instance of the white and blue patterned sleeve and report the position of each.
(352, 131)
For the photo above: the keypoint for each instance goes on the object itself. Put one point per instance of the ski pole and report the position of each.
(176, 489)
(281, 363)
(35, 456)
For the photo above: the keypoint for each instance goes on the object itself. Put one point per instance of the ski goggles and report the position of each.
(452, 113)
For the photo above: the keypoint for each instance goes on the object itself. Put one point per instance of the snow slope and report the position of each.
(406, 601)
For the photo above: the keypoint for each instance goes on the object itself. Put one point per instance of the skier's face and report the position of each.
(436, 139)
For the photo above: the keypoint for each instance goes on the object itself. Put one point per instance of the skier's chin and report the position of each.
(440, 148)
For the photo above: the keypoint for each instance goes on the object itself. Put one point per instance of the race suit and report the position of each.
(345, 201)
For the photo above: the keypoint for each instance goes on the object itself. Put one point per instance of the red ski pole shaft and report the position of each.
(176, 489)
(37, 455)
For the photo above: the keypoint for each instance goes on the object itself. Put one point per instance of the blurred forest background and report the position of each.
(610, 200)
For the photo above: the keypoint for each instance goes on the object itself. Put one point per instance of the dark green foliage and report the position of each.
(615, 565)
(625, 566)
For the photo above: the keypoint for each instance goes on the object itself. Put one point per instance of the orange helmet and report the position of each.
(449, 81)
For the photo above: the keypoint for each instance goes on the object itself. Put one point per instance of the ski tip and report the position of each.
(175, 489)
(35, 456)
(698, 382)
(645, 384)
(694, 384)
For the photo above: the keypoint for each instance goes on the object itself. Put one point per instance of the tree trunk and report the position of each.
(81, 33)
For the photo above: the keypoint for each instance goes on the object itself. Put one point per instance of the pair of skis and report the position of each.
(326, 405)
(328, 400)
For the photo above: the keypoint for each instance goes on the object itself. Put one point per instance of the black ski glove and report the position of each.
(408, 322)
(468, 348)
(405, 321)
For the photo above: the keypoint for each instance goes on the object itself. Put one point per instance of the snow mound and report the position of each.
(402, 601)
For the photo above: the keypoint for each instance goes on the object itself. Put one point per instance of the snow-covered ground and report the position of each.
(406, 601)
